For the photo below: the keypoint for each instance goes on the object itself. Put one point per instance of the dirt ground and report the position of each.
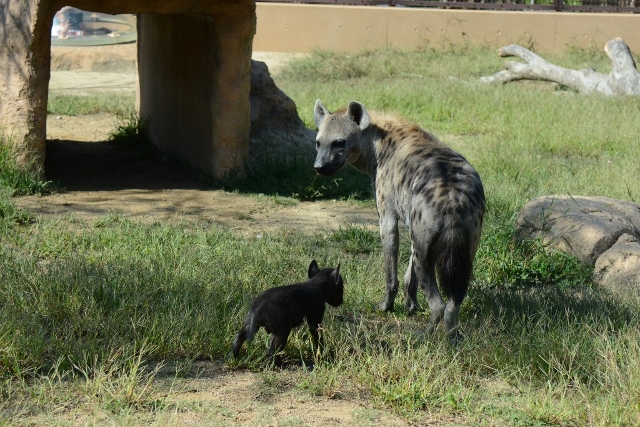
(100, 179)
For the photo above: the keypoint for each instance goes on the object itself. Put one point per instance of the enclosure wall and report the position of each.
(301, 28)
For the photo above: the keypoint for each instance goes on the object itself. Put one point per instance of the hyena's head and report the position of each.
(331, 281)
(338, 135)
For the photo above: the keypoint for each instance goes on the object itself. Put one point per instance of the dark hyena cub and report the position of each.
(282, 308)
(420, 181)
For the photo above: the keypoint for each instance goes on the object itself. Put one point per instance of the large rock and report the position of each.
(276, 128)
(582, 226)
(618, 268)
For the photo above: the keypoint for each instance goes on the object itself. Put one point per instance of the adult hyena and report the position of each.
(418, 180)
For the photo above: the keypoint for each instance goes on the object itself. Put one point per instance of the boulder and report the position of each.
(585, 227)
(276, 129)
(618, 268)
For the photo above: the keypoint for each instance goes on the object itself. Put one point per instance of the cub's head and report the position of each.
(338, 135)
(332, 284)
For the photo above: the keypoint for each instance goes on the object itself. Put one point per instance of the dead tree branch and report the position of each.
(624, 79)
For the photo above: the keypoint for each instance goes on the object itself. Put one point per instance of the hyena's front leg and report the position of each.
(389, 236)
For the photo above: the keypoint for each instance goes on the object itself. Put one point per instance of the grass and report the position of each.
(294, 178)
(88, 310)
(75, 105)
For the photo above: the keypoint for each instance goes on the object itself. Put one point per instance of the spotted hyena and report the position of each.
(282, 308)
(424, 183)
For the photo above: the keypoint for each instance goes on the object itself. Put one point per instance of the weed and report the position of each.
(130, 130)
(18, 179)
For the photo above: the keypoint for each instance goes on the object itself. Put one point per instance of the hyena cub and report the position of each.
(419, 180)
(282, 308)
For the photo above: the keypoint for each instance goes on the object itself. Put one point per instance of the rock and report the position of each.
(618, 268)
(276, 128)
(585, 227)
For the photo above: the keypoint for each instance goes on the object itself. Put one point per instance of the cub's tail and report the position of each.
(253, 327)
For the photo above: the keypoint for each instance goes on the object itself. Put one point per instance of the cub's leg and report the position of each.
(314, 325)
(277, 343)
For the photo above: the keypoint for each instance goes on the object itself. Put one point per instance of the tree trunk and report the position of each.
(623, 80)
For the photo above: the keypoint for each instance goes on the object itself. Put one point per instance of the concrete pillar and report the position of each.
(195, 76)
(24, 77)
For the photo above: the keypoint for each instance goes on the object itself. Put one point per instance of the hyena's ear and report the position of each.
(358, 114)
(319, 112)
(313, 269)
(335, 275)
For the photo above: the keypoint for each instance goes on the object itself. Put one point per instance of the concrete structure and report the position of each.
(301, 28)
(194, 66)
(194, 58)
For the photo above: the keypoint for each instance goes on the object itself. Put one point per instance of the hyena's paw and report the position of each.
(386, 306)
(412, 307)
(455, 336)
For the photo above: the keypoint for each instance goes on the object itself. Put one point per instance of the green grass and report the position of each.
(294, 178)
(16, 180)
(75, 105)
(87, 310)
(130, 130)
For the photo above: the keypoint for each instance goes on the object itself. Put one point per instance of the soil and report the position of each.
(99, 178)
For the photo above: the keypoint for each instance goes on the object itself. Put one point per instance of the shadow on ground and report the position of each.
(107, 166)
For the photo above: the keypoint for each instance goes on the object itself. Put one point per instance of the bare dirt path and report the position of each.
(101, 179)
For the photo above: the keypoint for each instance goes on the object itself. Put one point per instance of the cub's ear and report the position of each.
(335, 275)
(320, 113)
(313, 269)
(358, 114)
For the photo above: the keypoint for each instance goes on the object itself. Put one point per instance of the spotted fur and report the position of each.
(420, 181)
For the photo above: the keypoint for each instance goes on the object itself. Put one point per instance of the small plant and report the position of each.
(122, 379)
(19, 179)
(130, 130)
(9, 214)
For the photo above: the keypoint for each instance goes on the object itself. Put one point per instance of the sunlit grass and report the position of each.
(87, 309)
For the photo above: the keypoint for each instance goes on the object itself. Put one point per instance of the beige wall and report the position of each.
(301, 28)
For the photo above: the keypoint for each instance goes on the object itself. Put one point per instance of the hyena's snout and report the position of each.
(327, 163)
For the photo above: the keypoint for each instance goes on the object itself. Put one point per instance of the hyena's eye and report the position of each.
(339, 143)
(317, 144)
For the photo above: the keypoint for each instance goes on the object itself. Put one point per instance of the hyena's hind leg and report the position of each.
(426, 277)
(389, 237)
(277, 343)
(411, 288)
(455, 277)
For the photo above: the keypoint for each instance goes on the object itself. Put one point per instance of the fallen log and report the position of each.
(624, 79)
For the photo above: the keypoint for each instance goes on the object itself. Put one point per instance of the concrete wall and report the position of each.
(301, 28)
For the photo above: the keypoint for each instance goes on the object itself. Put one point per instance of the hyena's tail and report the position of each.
(454, 265)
